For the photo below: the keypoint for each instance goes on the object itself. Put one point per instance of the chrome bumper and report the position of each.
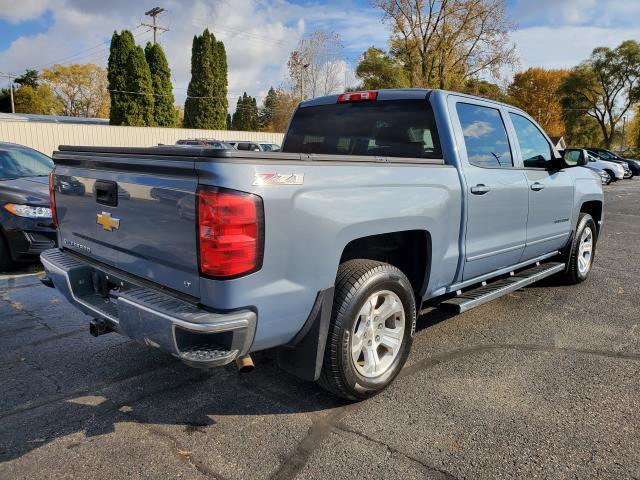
(150, 316)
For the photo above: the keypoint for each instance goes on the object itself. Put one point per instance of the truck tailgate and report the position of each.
(130, 212)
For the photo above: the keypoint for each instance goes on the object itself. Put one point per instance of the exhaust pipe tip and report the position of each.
(245, 364)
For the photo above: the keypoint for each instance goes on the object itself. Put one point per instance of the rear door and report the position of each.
(496, 191)
(551, 192)
(132, 213)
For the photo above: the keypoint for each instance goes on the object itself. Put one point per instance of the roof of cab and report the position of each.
(404, 94)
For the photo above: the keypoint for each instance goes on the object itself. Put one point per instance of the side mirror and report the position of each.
(573, 158)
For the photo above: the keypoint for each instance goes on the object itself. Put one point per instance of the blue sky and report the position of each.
(259, 34)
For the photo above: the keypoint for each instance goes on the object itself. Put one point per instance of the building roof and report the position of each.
(28, 117)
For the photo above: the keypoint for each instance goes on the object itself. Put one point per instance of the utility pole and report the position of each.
(13, 107)
(302, 69)
(624, 124)
(153, 13)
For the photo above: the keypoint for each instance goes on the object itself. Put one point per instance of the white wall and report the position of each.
(45, 137)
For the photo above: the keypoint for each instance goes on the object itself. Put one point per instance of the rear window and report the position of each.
(391, 128)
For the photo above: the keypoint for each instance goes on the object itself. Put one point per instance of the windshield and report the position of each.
(605, 155)
(270, 147)
(390, 128)
(23, 162)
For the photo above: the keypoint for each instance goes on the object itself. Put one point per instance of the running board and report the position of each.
(490, 291)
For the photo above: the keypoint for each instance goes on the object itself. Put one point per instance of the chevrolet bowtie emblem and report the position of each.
(108, 222)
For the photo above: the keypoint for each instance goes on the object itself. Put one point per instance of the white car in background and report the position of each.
(580, 156)
(615, 170)
(253, 146)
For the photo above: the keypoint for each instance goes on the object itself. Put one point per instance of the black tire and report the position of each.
(356, 281)
(573, 274)
(612, 175)
(6, 263)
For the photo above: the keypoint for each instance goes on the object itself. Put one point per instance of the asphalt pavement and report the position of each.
(541, 383)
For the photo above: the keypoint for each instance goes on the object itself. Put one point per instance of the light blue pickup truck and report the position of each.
(378, 202)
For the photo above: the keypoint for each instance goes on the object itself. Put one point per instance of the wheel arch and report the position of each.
(408, 250)
(593, 208)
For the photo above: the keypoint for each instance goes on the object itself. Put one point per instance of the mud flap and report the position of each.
(304, 355)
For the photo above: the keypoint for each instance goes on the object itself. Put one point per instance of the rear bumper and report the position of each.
(196, 336)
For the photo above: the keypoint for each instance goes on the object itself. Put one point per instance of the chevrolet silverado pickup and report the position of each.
(379, 202)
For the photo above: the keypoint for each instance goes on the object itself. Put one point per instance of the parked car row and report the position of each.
(246, 145)
(608, 165)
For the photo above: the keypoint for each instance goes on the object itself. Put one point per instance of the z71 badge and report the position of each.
(272, 179)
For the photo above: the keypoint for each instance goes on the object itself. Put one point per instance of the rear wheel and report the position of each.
(371, 330)
(5, 255)
(583, 250)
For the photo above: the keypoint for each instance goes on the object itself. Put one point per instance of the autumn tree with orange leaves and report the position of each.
(536, 91)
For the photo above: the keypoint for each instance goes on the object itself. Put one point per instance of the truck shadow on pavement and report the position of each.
(167, 395)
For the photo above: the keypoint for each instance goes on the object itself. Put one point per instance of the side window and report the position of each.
(534, 148)
(484, 136)
(243, 146)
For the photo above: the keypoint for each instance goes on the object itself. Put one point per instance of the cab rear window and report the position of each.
(390, 128)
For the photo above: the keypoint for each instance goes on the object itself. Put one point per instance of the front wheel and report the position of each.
(371, 331)
(582, 251)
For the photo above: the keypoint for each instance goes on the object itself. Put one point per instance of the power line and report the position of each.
(83, 53)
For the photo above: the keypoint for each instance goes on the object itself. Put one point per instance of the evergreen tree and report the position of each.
(139, 111)
(238, 121)
(206, 105)
(268, 108)
(246, 115)
(222, 103)
(229, 123)
(122, 44)
(164, 113)
(253, 122)
(29, 78)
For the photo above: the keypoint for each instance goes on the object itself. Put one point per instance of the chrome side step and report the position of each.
(485, 293)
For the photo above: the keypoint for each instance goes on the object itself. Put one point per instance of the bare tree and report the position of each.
(444, 43)
(316, 67)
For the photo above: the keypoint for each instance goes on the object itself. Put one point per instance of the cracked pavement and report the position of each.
(540, 383)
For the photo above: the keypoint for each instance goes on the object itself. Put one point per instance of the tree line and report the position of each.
(458, 45)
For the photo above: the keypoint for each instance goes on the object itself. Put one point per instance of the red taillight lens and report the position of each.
(358, 96)
(52, 200)
(231, 230)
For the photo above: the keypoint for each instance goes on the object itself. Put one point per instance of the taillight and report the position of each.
(358, 96)
(52, 200)
(230, 231)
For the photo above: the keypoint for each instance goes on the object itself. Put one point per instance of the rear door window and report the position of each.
(388, 128)
(485, 136)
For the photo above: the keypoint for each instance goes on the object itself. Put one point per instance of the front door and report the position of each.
(551, 192)
(496, 192)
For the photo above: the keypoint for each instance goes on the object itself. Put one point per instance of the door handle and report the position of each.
(480, 189)
(536, 187)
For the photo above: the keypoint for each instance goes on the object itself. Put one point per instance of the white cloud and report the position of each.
(20, 10)
(565, 47)
(478, 129)
(558, 12)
